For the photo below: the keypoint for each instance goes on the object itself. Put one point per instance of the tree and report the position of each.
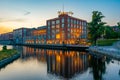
(109, 33)
(96, 26)
(118, 24)
(4, 47)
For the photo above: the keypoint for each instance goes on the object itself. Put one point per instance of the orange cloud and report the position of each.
(4, 29)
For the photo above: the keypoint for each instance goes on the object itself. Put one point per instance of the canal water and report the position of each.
(44, 64)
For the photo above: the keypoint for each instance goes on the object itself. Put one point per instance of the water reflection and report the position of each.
(8, 47)
(72, 65)
(59, 62)
(98, 67)
(66, 63)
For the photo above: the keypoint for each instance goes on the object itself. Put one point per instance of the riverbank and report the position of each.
(7, 56)
(107, 42)
(109, 51)
(7, 53)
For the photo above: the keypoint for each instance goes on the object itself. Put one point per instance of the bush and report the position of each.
(4, 47)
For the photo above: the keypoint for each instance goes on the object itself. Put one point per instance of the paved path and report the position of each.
(117, 45)
(107, 50)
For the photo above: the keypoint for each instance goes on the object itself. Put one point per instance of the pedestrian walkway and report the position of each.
(107, 51)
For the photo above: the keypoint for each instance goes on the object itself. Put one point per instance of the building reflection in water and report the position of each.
(66, 63)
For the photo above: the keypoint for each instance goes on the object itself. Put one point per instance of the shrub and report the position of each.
(4, 47)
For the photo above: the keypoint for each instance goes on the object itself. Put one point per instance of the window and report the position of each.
(48, 23)
(53, 31)
(62, 25)
(71, 21)
(77, 22)
(85, 24)
(68, 35)
(68, 20)
(49, 37)
(57, 36)
(57, 26)
(80, 22)
(57, 30)
(75, 26)
(71, 30)
(48, 27)
(53, 26)
(57, 21)
(63, 20)
(63, 31)
(53, 22)
(68, 29)
(69, 25)
(53, 36)
(74, 21)
(72, 25)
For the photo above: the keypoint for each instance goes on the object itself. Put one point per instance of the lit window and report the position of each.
(57, 26)
(57, 36)
(71, 30)
(53, 26)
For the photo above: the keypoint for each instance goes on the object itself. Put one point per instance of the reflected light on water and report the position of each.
(43, 64)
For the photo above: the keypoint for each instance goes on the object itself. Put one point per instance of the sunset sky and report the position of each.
(33, 13)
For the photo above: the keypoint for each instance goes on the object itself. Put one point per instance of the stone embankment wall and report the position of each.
(111, 52)
(8, 60)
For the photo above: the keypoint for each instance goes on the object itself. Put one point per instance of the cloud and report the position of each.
(27, 13)
(11, 20)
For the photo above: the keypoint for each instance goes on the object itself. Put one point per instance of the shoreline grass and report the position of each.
(106, 42)
(7, 53)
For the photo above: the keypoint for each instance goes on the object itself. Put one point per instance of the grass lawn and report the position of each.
(7, 53)
(106, 42)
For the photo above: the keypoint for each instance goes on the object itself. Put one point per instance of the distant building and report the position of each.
(66, 29)
(115, 28)
(19, 34)
(6, 38)
(38, 36)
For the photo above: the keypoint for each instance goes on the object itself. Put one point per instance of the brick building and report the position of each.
(66, 29)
